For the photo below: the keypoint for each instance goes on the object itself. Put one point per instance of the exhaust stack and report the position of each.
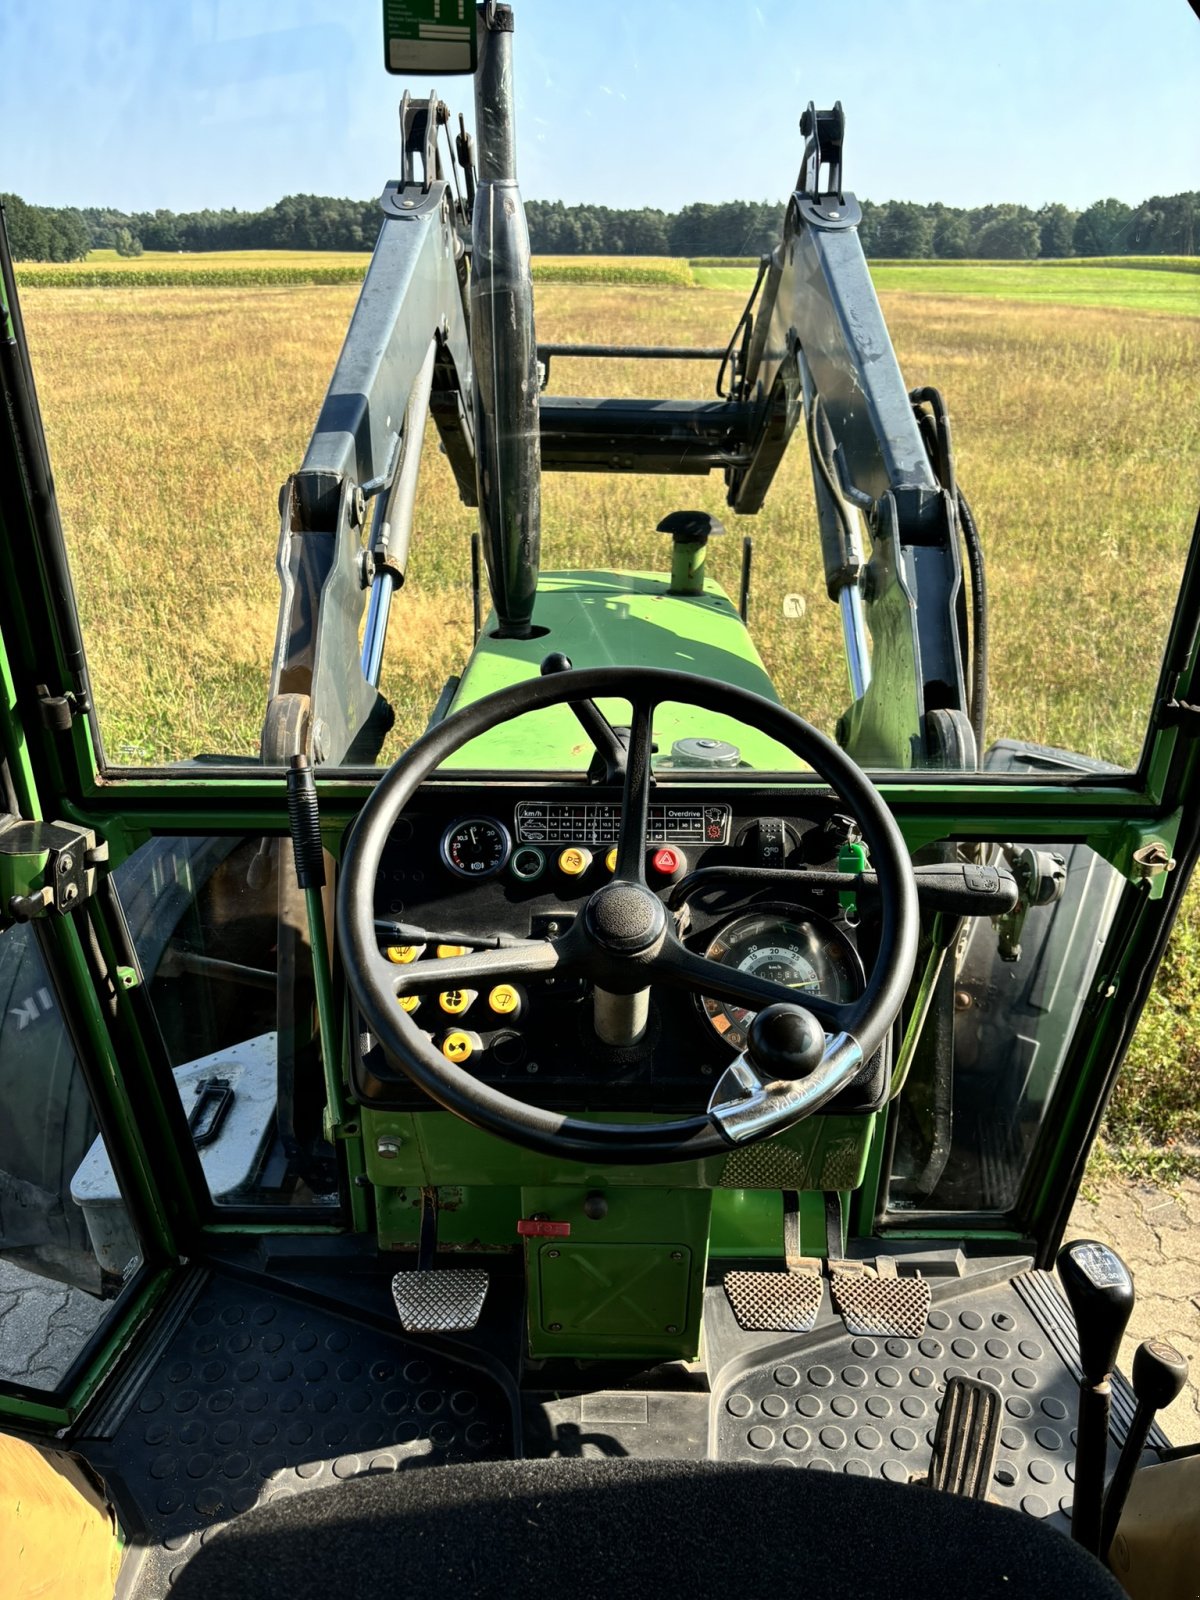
(508, 453)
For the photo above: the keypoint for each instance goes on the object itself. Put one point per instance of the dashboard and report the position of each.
(466, 863)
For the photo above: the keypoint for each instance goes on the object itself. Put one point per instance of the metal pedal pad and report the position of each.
(967, 1438)
(879, 1303)
(775, 1302)
(448, 1300)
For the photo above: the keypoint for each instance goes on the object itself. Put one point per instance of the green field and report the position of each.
(173, 417)
(1153, 284)
(1174, 289)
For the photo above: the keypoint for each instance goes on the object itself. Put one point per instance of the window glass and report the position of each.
(989, 1066)
(67, 1246)
(186, 289)
(222, 938)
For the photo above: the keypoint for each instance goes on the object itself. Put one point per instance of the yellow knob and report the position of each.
(504, 1000)
(574, 861)
(458, 1046)
(446, 950)
(610, 860)
(402, 954)
(408, 1002)
(455, 1001)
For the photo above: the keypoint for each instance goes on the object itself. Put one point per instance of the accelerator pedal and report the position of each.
(967, 1438)
(880, 1303)
(433, 1300)
(446, 1301)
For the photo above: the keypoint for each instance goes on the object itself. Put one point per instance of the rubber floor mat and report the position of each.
(257, 1394)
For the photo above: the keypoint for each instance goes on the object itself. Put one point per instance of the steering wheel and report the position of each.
(624, 940)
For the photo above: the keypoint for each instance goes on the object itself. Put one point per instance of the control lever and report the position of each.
(1159, 1374)
(1099, 1291)
(958, 887)
(594, 723)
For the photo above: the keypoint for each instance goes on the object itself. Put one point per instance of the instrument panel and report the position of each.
(467, 864)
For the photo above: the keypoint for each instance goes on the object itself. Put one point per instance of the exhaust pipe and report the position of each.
(508, 447)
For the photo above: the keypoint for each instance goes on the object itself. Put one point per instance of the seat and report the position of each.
(602, 1529)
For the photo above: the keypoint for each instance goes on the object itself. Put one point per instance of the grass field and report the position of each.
(174, 417)
(1158, 288)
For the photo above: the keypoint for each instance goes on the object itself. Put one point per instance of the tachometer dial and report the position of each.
(476, 847)
(806, 954)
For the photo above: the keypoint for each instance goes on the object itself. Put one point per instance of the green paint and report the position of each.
(615, 619)
(687, 567)
(851, 857)
(1121, 847)
(628, 1284)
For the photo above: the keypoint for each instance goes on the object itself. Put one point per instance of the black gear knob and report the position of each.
(785, 1041)
(1100, 1293)
(1159, 1373)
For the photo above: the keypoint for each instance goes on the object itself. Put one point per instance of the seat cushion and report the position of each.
(674, 1530)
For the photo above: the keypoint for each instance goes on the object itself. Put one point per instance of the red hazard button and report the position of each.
(667, 861)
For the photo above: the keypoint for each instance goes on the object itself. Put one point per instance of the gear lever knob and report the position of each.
(1100, 1293)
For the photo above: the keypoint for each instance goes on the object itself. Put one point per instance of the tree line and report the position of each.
(1162, 225)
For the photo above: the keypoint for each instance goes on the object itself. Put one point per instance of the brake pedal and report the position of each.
(880, 1303)
(967, 1438)
(776, 1302)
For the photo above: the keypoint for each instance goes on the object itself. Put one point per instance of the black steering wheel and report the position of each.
(624, 940)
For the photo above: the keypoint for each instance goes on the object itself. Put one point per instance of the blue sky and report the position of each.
(192, 103)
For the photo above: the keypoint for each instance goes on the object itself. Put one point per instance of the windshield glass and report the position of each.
(932, 599)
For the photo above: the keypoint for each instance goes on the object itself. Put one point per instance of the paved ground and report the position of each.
(42, 1325)
(1157, 1235)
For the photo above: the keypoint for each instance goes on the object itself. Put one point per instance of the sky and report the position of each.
(186, 104)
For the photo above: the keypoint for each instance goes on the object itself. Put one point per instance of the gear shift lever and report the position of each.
(1100, 1293)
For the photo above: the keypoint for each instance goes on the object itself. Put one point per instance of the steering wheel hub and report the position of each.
(625, 918)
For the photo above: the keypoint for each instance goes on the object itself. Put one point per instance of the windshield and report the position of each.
(932, 599)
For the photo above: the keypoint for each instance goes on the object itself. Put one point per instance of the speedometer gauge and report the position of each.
(805, 954)
(476, 847)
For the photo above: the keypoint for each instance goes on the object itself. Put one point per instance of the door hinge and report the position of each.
(58, 711)
(44, 867)
(1179, 714)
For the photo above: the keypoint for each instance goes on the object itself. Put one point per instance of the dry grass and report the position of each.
(173, 420)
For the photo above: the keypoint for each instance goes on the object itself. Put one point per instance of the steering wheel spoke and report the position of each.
(635, 798)
(688, 970)
(533, 959)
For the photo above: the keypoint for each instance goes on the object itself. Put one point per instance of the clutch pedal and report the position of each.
(880, 1302)
(967, 1438)
(433, 1299)
(448, 1300)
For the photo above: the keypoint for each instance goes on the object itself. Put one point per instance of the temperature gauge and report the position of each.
(476, 847)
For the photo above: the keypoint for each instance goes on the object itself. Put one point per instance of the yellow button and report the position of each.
(446, 950)
(574, 861)
(610, 860)
(402, 954)
(455, 1001)
(504, 1000)
(408, 1002)
(458, 1046)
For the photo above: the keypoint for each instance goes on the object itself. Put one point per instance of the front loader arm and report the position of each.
(406, 353)
(819, 348)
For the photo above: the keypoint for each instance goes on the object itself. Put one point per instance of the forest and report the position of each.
(894, 229)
